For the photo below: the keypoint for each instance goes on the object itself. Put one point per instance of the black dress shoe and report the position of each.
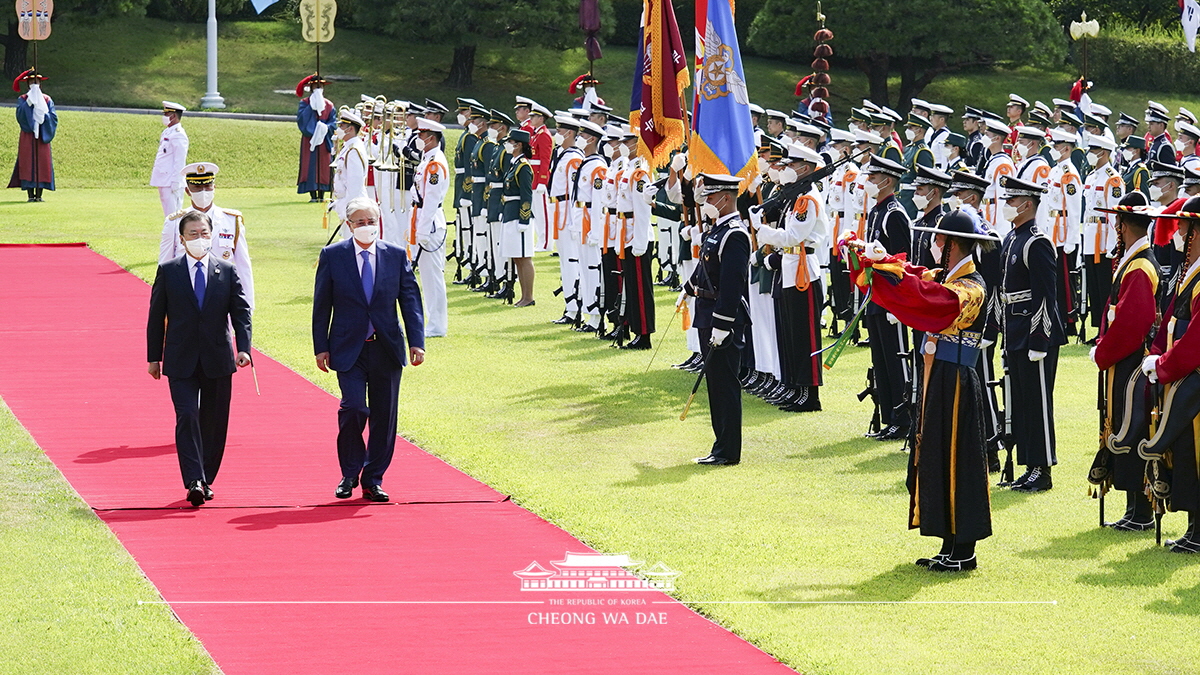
(639, 342)
(713, 460)
(893, 433)
(563, 320)
(374, 493)
(1183, 545)
(208, 493)
(345, 489)
(585, 328)
(1020, 480)
(1131, 525)
(195, 493)
(948, 565)
(1038, 480)
(926, 562)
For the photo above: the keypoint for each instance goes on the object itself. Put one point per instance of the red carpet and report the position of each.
(311, 585)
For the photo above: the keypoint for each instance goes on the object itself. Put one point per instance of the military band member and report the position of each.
(316, 117)
(497, 168)
(1129, 319)
(349, 167)
(947, 471)
(888, 224)
(1102, 190)
(227, 226)
(427, 226)
(722, 315)
(995, 165)
(562, 177)
(517, 214)
(1172, 363)
(170, 159)
(1033, 332)
(38, 120)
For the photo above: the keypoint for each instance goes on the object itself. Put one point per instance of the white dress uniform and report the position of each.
(800, 230)
(937, 145)
(349, 178)
(612, 223)
(999, 164)
(562, 178)
(167, 175)
(1103, 189)
(1063, 205)
(228, 242)
(588, 221)
(427, 237)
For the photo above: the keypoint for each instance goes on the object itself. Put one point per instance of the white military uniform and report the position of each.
(588, 222)
(349, 178)
(1064, 206)
(427, 237)
(562, 178)
(228, 242)
(393, 202)
(1103, 189)
(168, 166)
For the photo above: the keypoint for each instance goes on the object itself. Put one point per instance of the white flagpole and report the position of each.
(212, 99)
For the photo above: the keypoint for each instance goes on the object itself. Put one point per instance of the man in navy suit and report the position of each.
(356, 332)
(195, 298)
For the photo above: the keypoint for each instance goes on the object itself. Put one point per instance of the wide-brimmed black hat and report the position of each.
(959, 223)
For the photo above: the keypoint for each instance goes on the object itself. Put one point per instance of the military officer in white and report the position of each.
(349, 167)
(170, 159)
(1102, 189)
(427, 225)
(228, 228)
(562, 177)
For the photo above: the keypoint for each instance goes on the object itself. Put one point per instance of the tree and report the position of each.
(465, 23)
(1141, 13)
(921, 39)
(16, 49)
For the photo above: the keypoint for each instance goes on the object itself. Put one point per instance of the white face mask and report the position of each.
(910, 134)
(1093, 159)
(199, 247)
(954, 203)
(920, 201)
(709, 211)
(462, 119)
(936, 250)
(608, 151)
(763, 165)
(872, 189)
(623, 149)
(508, 147)
(1011, 212)
(1127, 153)
(787, 176)
(202, 199)
(1179, 144)
(773, 174)
(1156, 193)
(493, 135)
(366, 234)
(1060, 156)
(166, 121)
(558, 138)
(1178, 240)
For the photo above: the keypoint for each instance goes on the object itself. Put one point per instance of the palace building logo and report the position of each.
(596, 572)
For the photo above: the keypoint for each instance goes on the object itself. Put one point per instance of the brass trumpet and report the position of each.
(393, 114)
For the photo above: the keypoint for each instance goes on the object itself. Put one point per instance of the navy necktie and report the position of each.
(200, 282)
(368, 282)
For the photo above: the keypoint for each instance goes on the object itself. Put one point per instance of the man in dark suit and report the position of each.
(357, 333)
(195, 298)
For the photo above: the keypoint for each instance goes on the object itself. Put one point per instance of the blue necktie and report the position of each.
(368, 282)
(200, 282)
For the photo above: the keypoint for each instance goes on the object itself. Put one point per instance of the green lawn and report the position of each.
(577, 433)
(140, 62)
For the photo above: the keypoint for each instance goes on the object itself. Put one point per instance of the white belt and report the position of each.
(477, 179)
(459, 169)
(499, 185)
(510, 198)
(1019, 296)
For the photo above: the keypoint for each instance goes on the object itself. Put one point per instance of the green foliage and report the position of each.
(1126, 56)
(1141, 13)
(549, 23)
(99, 7)
(194, 10)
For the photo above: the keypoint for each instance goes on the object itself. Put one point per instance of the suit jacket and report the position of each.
(341, 312)
(187, 337)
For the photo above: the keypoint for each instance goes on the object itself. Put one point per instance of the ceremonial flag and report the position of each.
(1190, 20)
(722, 136)
(659, 77)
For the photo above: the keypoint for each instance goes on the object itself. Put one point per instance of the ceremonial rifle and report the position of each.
(1006, 475)
(1102, 395)
(876, 422)
(785, 195)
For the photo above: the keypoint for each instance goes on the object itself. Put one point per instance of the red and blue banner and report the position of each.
(722, 135)
(660, 75)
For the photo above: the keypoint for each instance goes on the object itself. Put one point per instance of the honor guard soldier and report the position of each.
(1068, 122)
(929, 186)
(947, 471)
(1158, 141)
(916, 153)
(500, 270)
(427, 226)
(719, 285)
(1015, 111)
(763, 341)
(34, 170)
(1033, 332)
(611, 231)
(995, 165)
(1185, 144)
(478, 120)
(317, 120)
(1126, 129)
(517, 213)
(1134, 171)
(839, 209)
(1173, 473)
(955, 151)
(797, 289)
(587, 218)
(562, 176)
(228, 227)
(1129, 318)
(939, 117)
(598, 114)
(1062, 211)
(464, 225)
(170, 159)
(349, 167)
(887, 224)
(542, 149)
(1191, 182)
(634, 204)
(1165, 183)
(972, 123)
(1102, 191)
(1027, 153)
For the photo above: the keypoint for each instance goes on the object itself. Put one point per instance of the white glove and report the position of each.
(874, 251)
(1150, 367)
(892, 319)
(678, 161)
(649, 194)
(640, 251)
(988, 343)
(523, 227)
(316, 100)
(1036, 356)
(718, 337)
(683, 296)
(756, 219)
(464, 203)
(1092, 354)
(755, 182)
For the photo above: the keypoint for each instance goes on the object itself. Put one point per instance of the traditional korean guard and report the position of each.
(38, 120)
(316, 118)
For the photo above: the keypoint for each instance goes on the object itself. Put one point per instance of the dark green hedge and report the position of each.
(1139, 63)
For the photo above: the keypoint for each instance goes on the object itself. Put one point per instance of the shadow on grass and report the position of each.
(1151, 566)
(652, 475)
(1188, 603)
(298, 300)
(900, 583)
(1081, 545)
(852, 446)
(890, 461)
(1002, 498)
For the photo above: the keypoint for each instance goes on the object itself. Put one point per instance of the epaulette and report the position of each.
(178, 214)
(233, 212)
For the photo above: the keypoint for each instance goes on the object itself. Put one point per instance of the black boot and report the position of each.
(639, 342)
(1138, 516)
(32, 194)
(1037, 480)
